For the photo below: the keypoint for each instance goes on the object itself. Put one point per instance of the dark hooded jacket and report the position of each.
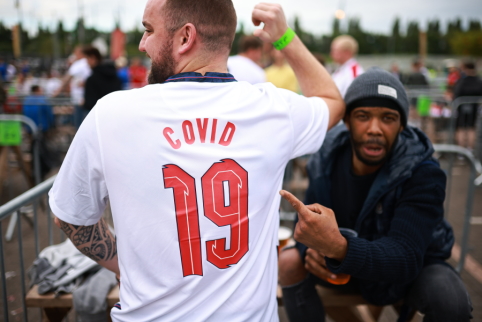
(401, 226)
(104, 80)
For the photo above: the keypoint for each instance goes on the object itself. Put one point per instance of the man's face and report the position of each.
(339, 54)
(374, 131)
(157, 43)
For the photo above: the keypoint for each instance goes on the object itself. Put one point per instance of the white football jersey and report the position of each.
(192, 169)
(346, 74)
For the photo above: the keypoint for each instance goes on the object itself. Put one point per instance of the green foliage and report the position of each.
(60, 42)
(467, 43)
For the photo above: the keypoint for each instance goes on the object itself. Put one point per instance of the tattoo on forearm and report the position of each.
(95, 242)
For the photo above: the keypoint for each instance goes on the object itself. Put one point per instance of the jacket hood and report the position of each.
(105, 70)
(412, 147)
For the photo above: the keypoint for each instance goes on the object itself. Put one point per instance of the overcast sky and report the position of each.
(315, 15)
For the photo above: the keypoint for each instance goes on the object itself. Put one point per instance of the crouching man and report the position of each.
(376, 176)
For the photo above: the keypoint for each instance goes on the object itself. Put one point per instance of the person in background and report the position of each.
(123, 71)
(37, 108)
(452, 77)
(469, 85)
(3, 97)
(25, 67)
(3, 70)
(246, 65)
(280, 73)
(52, 84)
(374, 175)
(138, 73)
(395, 71)
(104, 79)
(76, 76)
(343, 51)
(11, 71)
(417, 78)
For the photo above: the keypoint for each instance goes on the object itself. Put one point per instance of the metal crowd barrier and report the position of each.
(456, 103)
(475, 179)
(34, 129)
(35, 196)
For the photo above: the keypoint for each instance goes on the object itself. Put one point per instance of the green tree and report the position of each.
(411, 39)
(395, 40)
(467, 43)
(5, 40)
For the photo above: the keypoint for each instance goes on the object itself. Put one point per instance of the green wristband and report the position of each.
(285, 39)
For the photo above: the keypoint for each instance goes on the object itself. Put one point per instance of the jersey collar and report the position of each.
(197, 77)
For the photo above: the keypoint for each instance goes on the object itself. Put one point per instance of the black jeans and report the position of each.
(438, 292)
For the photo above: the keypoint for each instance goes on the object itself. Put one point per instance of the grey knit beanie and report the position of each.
(377, 86)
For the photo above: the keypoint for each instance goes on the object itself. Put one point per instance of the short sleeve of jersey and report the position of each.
(79, 194)
(309, 117)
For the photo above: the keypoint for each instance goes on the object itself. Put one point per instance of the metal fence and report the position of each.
(35, 143)
(37, 198)
(475, 180)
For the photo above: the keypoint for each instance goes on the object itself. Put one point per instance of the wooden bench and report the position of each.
(338, 305)
(56, 308)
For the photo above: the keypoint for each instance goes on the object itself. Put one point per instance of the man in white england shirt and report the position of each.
(343, 51)
(192, 165)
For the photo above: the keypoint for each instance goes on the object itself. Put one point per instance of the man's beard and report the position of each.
(164, 67)
(357, 146)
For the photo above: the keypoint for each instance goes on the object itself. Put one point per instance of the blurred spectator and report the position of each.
(11, 71)
(280, 73)
(3, 70)
(24, 84)
(416, 78)
(343, 51)
(137, 73)
(469, 85)
(452, 77)
(103, 80)
(395, 71)
(3, 97)
(246, 65)
(25, 67)
(52, 84)
(76, 76)
(123, 71)
(37, 108)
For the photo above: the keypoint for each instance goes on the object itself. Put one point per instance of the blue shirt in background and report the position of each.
(37, 108)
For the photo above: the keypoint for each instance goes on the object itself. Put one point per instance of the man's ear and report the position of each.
(401, 129)
(186, 37)
(346, 120)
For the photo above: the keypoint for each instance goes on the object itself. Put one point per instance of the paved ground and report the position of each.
(472, 279)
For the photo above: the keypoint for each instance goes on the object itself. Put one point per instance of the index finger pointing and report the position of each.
(295, 202)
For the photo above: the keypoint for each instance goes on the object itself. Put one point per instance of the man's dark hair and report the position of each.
(35, 89)
(91, 51)
(249, 42)
(469, 64)
(215, 20)
(417, 62)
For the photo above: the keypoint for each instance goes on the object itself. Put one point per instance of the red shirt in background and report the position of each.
(138, 74)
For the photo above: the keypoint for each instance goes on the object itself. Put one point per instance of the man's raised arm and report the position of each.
(95, 242)
(313, 78)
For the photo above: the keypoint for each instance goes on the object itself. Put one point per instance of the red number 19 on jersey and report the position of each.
(225, 200)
